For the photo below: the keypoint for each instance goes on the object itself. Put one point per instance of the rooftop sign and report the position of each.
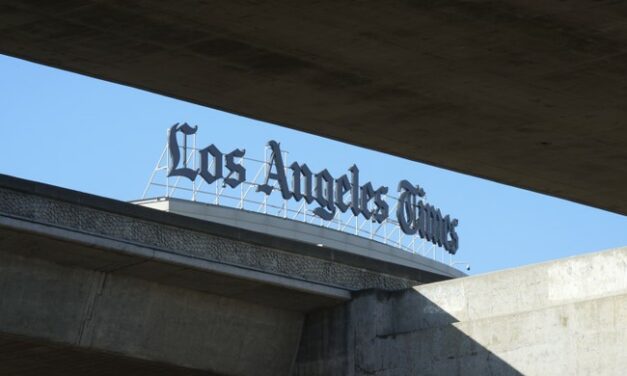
(329, 194)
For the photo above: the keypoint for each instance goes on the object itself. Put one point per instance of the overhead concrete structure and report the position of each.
(93, 286)
(530, 94)
(96, 286)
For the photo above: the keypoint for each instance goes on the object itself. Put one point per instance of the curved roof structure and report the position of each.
(323, 237)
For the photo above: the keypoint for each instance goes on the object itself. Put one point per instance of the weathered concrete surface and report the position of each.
(115, 288)
(21, 356)
(565, 317)
(111, 313)
(82, 282)
(97, 280)
(164, 238)
(529, 93)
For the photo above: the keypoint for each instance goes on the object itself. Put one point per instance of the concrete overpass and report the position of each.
(93, 286)
(530, 94)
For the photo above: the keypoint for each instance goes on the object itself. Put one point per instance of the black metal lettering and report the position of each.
(175, 154)
(382, 208)
(299, 171)
(406, 208)
(216, 156)
(453, 244)
(421, 224)
(342, 186)
(354, 189)
(436, 236)
(279, 175)
(324, 195)
(235, 168)
(367, 194)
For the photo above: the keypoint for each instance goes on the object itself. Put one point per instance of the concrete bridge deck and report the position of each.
(82, 276)
(527, 93)
(93, 286)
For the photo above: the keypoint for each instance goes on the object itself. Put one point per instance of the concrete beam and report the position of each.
(525, 93)
(98, 312)
(66, 247)
(201, 241)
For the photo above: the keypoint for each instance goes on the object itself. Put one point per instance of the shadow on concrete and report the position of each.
(392, 334)
(26, 356)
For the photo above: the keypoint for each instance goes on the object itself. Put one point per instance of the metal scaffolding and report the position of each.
(246, 197)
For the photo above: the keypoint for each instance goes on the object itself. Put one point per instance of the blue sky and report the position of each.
(93, 136)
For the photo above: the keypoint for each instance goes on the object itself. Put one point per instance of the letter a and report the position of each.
(279, 175)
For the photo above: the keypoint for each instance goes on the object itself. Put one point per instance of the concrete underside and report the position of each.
(26, 357)
(530, 94)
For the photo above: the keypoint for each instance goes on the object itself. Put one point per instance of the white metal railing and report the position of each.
(246, 197)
